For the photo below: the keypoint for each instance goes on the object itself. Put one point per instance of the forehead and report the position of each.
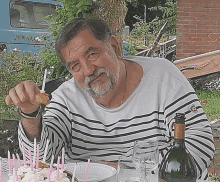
(83, 40)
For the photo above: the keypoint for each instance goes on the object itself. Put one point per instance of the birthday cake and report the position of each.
(26, 174)
(36, 171)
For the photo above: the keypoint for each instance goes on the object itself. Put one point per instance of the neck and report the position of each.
(129, 78)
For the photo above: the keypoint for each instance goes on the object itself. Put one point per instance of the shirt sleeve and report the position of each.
(56, 129)
(198, 134)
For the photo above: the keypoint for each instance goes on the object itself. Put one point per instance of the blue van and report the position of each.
(23, 22)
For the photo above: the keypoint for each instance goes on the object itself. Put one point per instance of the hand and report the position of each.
(23, 96)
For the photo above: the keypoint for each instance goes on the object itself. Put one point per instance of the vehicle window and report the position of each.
(26, 14)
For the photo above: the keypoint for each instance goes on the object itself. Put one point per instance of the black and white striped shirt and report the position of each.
(74, 121)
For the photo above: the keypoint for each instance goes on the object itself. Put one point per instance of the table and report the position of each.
(5, 173)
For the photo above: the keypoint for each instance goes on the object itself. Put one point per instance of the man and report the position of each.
(111, 101)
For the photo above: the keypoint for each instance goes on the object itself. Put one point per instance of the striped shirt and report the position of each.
(75, 121)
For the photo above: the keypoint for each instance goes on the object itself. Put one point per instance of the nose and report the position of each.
(88, 68)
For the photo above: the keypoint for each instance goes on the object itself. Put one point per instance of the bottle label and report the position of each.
(179, 130)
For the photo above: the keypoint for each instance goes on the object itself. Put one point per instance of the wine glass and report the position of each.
(146, 159)
(126, 171)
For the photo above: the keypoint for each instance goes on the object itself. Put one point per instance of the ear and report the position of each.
(116, 46)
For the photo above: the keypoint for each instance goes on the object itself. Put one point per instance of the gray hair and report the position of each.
(98, 27)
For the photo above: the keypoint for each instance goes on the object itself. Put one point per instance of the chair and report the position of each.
(52, 85)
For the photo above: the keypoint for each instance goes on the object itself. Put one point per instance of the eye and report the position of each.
(93, 56)
(75, 67)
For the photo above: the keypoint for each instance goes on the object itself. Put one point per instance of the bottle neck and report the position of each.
(179, 131)
(179, 143)
(179, 135)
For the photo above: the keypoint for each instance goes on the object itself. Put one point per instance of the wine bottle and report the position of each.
(178, 165)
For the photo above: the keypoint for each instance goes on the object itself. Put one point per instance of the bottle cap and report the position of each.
(180, 118)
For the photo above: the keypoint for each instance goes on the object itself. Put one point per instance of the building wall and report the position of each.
(198, 27)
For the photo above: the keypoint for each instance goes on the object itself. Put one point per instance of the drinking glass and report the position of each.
(126, 171)
(146, 159)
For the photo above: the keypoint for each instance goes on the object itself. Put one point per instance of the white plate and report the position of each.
(96, 172)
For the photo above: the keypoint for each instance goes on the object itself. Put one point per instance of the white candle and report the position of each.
(45, 152)
(63, 153)
(74, 173)
(34, 156)
(9, 163)
(37, 161)
(44, 81)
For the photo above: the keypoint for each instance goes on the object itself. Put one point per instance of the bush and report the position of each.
(14, 69)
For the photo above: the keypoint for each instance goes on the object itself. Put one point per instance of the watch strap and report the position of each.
(32, 115)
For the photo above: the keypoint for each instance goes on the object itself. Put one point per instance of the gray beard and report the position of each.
(100, 89)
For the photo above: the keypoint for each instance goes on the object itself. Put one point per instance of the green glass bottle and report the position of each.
(178, 165)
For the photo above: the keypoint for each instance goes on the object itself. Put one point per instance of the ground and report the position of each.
(214, 168)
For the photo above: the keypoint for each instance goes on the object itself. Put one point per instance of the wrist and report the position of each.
(32, 115)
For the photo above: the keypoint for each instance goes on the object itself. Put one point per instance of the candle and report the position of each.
(9, 163)
(31, 162)
(74, 173)
(86, 171)
(44, 81)
(63, 153)
(24, 158)
(45, 152)
(58, 168)
(19, 160)
(37, 162)
(14, 162)
(15, 174)
(34, 156)
(51, 166)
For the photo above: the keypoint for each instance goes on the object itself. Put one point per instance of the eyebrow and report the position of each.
(91, 49)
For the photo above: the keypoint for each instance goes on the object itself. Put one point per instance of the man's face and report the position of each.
(93, 63)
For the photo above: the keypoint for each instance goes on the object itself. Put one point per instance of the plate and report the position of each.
(97, 172)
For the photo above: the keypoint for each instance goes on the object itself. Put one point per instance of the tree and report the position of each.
(158, 12)
(111, 11)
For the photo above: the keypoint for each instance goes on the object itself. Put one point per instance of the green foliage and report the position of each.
(212, 108)
(141, 31)
(168, 13)
(71, 9)
(15, 69)
(147, 31)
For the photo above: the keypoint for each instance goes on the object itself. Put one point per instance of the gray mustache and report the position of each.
(95, 74)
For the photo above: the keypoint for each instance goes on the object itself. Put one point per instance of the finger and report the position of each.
(8, 100)
(14, 97)
(21, 93)
(31, 90)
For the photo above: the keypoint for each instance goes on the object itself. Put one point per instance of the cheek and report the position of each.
(79, 78)
(109, 62)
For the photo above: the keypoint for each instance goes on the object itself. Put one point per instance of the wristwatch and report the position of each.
(32, 115)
